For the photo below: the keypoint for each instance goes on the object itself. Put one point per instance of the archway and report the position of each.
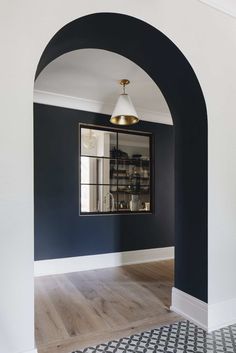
(168, 67)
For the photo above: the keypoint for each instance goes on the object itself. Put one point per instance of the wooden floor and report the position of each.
(80, 309)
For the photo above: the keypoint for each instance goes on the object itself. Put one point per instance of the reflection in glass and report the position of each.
(98, 198)
(97, 170)
(125, 172)
(134, 202)
(115, 173)
(97, 142)
(134, 146)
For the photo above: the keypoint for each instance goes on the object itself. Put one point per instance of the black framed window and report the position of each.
(115, 171)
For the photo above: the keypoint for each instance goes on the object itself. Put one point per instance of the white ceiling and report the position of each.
(88, 79)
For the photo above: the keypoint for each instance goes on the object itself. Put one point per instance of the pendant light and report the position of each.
(124, 112)
(88, 139)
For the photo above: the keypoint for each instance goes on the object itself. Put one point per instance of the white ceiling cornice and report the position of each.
(226, 6)
(60, 100)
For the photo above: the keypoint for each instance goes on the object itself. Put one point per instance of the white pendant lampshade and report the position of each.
(124, 112)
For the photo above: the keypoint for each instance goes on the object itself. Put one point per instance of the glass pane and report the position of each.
(133, 146)
(134, 202)
(97, 170)
(120, 174)
(133, 171)
(98, 198)
(98, 143)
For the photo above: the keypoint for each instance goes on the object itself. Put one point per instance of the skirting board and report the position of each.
(221, 314)
(210, 317)
(92, 262)
(190, 307)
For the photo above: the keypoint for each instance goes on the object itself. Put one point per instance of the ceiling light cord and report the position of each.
(124, 85)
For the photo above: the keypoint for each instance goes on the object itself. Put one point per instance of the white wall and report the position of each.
(206, 37)
(227, 6)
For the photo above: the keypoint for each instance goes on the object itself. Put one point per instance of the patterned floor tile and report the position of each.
(181, 337)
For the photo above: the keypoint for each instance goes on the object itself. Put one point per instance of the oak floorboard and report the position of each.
(48, 319)
(80, 309)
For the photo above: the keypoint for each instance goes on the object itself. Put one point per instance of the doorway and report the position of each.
(107, 302)
(172, 73)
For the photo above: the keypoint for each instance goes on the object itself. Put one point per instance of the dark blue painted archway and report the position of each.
(168, 67)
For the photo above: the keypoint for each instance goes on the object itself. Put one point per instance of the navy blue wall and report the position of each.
(59, 230)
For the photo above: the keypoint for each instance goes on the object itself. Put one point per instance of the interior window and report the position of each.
(115, 171)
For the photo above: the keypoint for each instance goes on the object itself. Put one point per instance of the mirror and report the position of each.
(115, 171)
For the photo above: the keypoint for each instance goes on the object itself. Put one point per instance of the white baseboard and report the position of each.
(210, 317)
(221, 314)
(92, 262)
(190, 308)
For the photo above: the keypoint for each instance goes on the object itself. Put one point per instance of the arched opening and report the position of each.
(170, 70)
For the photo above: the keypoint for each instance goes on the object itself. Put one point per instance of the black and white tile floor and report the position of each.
(180, 337)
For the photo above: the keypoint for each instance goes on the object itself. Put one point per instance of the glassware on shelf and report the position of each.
(134, 203)
(135, 182)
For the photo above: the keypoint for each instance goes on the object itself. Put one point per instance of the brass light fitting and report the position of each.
(124, 112)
